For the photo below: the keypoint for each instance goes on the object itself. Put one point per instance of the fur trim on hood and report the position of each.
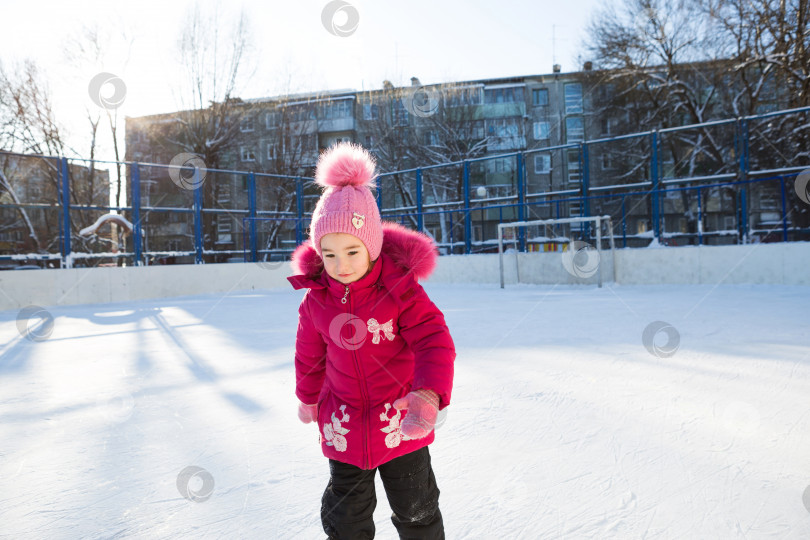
(411, 251)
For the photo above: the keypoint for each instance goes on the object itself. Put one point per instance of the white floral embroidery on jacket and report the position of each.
(374, 327)
(334, 432)
(395, 435)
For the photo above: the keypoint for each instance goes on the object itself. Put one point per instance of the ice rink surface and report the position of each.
(567, 420)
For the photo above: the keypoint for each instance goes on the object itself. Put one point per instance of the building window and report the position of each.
(575, 209)
(246, 154)
(605, 125)
(512, 94)
(271, 120)
(400, 113)
(540, 97)
(503, 127)
(542, 163)
(371, 111)
(607, 161)
(541, 130)
(573, 167)
(431, 139)
(271, 152)
(246, 124)
(573, 98)
(574, 131)
(369, 141)
(473, 130)
(498, 165)
(459, 97)
(336, 110)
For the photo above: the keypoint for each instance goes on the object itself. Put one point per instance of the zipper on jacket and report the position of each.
(366, 400)
(343, 300)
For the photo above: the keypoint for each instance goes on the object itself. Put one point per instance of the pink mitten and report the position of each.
(423, 408)
(307, 413)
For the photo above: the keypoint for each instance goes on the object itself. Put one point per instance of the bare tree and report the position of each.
(30, 126)
(426, 125)
(88, 51)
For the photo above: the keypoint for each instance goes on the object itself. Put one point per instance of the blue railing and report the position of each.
(420, 197)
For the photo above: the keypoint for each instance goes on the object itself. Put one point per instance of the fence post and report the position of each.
(136, 214)
(784, 210)
(420, 223)
(521, 202)
(624, 225)
(742, 127)
(586, 178)
(67, 261)
(198, 203)
(467, 217)
(379, 194)
(656, 217)
(254, 254)
(700, 219)
(299, 222)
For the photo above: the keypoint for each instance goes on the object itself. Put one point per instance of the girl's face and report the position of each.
(345, 257)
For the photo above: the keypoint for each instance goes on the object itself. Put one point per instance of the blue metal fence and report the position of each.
(457, 216)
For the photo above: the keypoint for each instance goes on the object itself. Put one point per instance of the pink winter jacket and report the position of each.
(354, 359)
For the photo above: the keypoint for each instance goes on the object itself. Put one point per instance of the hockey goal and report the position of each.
(579, 259)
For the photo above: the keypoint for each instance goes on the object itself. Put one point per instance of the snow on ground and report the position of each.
(562, 424)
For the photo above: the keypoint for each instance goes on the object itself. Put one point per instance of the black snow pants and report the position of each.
(348, 503)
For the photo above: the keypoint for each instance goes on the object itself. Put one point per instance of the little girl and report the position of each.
(373, 355)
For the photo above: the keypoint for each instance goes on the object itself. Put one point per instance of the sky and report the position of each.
(292, 48)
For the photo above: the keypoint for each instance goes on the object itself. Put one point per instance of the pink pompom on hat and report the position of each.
(347, 205)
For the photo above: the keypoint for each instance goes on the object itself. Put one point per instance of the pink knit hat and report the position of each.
(347, 205)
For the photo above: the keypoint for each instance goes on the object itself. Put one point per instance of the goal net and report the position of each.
(575, 261)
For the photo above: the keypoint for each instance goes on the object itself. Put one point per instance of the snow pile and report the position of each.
(114, 218)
